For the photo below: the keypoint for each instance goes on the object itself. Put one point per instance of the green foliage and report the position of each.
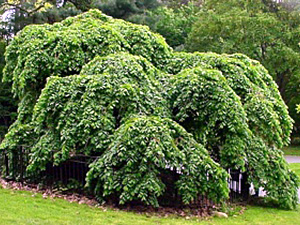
(252, 6)
(172, 24)
(62, 49)
(251, 82)
(89, 108)
(239, 107)
(7, 103)
(262, 31)
(20, 13)
(124, 8)
(269, 170)
(222, 121)
(145, 112)
(147, 146)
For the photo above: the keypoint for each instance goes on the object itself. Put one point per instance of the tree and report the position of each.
(20, 13)
(33, 6)
(172, 24)
(146, 112)
(271, 38)
(291, 5)
(7, 103)
(125, 8)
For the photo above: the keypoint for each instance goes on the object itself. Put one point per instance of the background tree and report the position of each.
(17, 14)
(173, 23)
(125, 8)
(263, 30)
(7, 102)
(291, 5)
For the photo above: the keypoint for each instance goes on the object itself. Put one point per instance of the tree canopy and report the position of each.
(263, 30)
(97, 86)
(174, 24)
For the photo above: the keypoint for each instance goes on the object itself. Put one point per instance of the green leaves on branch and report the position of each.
(204, 103)
(62, 49)
(268, 169)
(146, 146)
(255, 88)
(84, 110)
(243, 119)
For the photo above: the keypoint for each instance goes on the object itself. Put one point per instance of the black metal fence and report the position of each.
(14, 168)
(238, 184)
(73, 169)
(13, 165)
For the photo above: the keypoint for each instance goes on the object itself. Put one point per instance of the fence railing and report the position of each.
(73, 169)
(238, 185)
(14, 168)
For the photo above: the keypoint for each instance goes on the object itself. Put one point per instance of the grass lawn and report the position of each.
(295, 167)
(292, 150)
(19, 207)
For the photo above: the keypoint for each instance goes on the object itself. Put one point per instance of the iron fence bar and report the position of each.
(77, 168)
(21, 164)
(6, 165)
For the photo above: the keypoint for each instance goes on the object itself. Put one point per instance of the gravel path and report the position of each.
(292, 159)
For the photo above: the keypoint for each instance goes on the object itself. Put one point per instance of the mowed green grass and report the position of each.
(295, 167)
(292, 150)
(19, 207)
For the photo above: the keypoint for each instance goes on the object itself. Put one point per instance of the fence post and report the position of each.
(6, 165)
(245, 186)
(21, 164)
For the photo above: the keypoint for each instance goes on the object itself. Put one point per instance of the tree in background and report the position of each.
(291, 5)
(19, 13)
(263, 30)
(173, 23)
(125, 8)
(7, 102)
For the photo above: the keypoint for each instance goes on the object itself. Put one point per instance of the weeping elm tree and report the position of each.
(97, 86)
